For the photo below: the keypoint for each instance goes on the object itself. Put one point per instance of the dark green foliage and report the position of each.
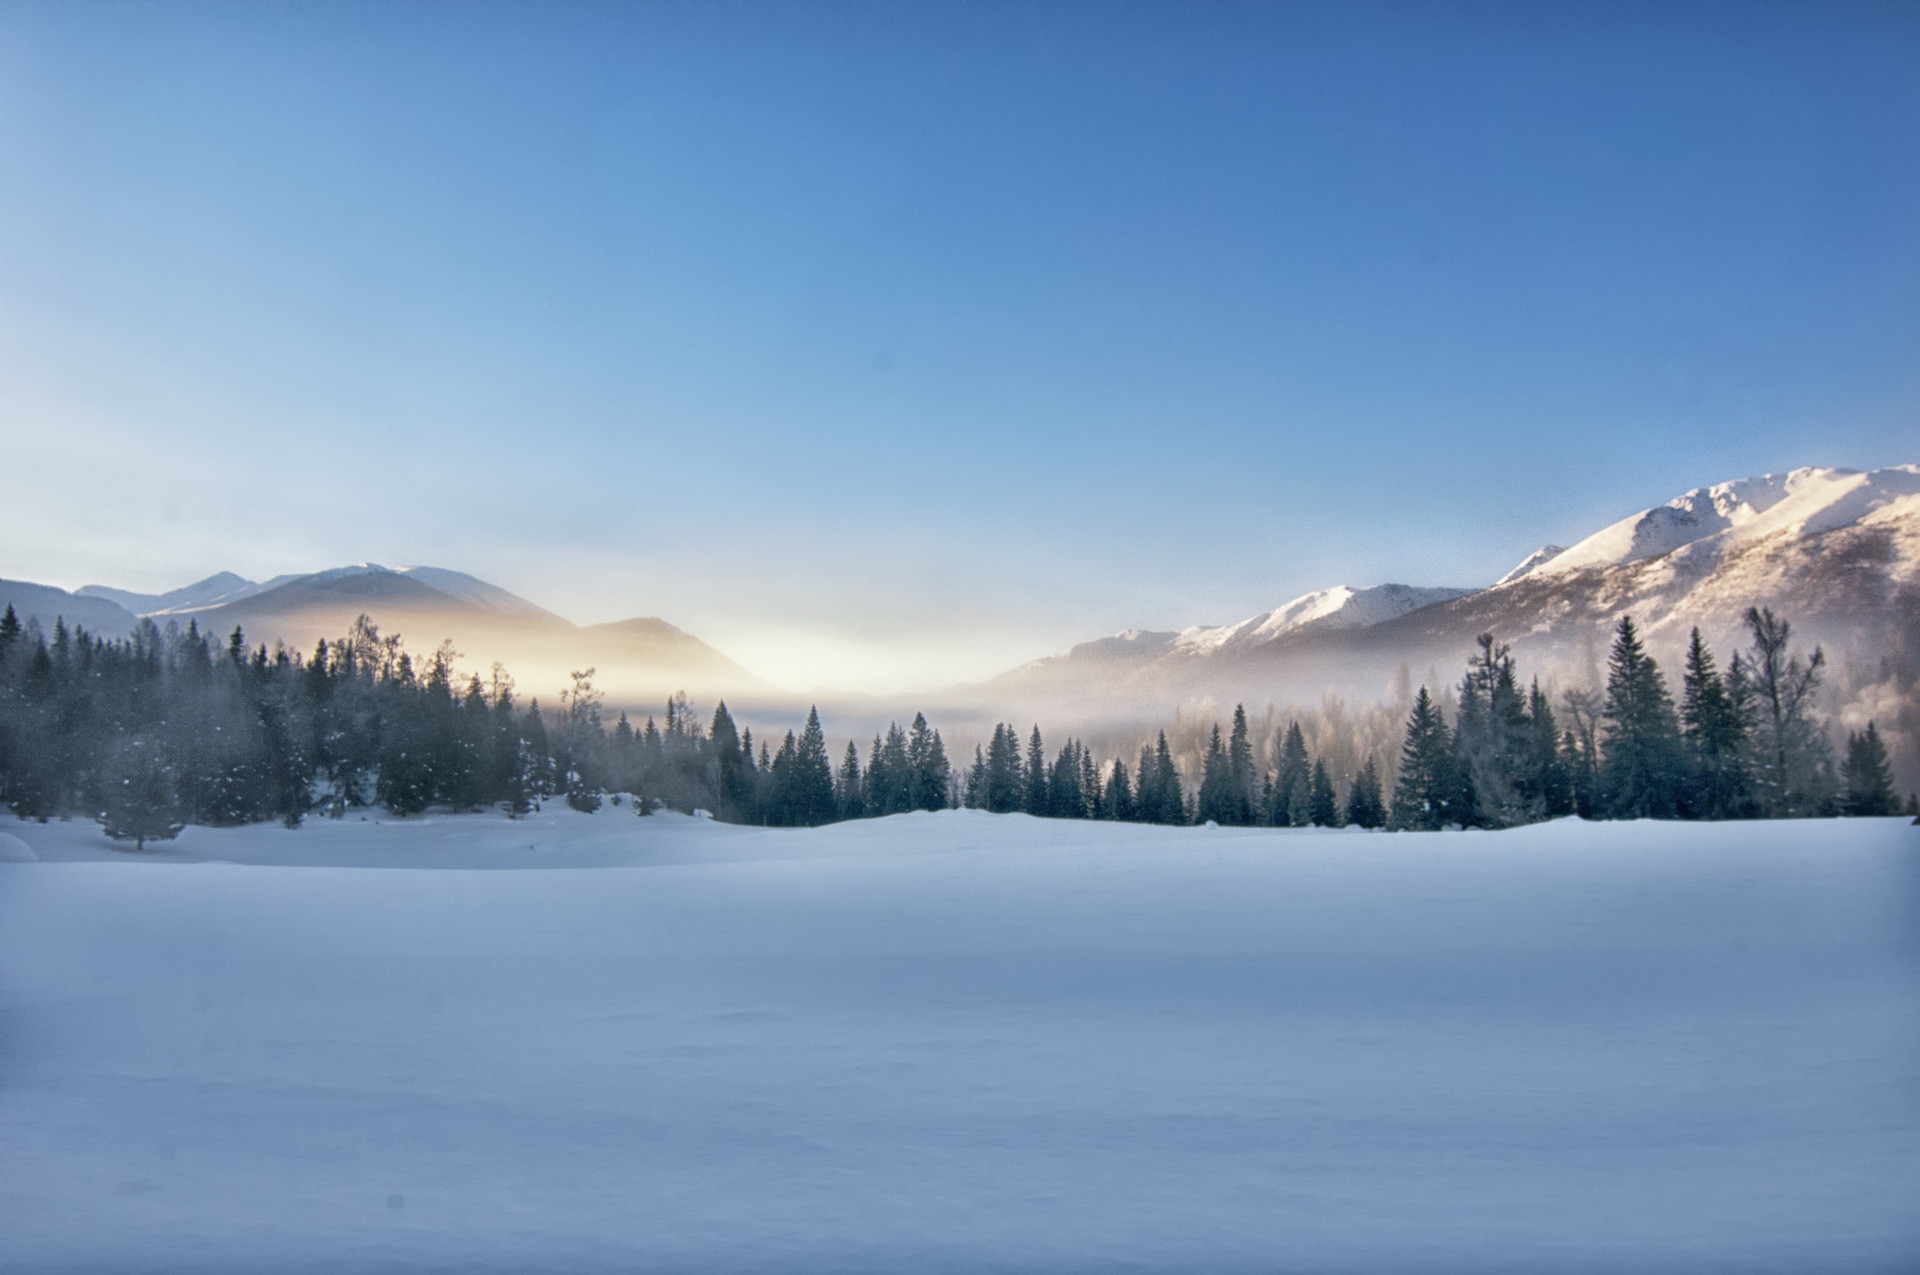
(1643, 765)
(139, 803)
(1287, 798)
(1365, 807)
(1240, 764)
(1323, 809)
(1717, 784)
(1869, 780)
(1424, 797)
(1036, 800)
(1005, 784)
(1159, 797)
(848, 790)
(1216, 802)
(1116, 802)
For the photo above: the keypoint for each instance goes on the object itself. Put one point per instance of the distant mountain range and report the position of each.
(644, 659)
(1837, 551)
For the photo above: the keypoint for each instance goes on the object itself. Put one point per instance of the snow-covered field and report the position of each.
(961, 1042)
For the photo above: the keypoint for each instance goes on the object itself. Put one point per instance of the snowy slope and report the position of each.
(212, 591)
(962, 1042)
(1341, 607)
(1732, 514)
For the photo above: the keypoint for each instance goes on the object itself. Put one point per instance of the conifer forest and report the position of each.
(165, 729)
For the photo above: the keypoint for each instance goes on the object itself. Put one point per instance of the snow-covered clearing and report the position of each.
(961, 1042)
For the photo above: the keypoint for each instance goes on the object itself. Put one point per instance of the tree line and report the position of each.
(162, 729)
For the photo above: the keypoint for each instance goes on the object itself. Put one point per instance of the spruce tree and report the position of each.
(1117, 800)
(1035, 801)
(1715, 733)
(1642, 761)
(813, 803)
(1365, 807)
(853, 803)
(1216, 802)
(1323, 808)
(140, 804)
(1287, 800)
(1869, 779)
(1424, 795)
(1240, 762)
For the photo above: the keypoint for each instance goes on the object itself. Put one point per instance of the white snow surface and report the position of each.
(1743, 511)
(961, 1042)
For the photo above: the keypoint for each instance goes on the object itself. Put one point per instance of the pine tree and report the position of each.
(1035, 801)
(1424, 796)
(1287, 800)
(1718, 786)
(1117, 801)
(1365, 807)
(929, 776)
(1240, 762)
(1005, 780)
(140, 804)
(813, 803)
(1869, 779)
(847, 790)
(1642, 761)
(1217, 803)
(1323, 809)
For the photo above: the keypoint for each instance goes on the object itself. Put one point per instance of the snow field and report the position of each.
(961, 1042)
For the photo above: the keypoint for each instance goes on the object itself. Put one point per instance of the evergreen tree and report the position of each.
(1869, 779)
(1423, 798)
(1715, 732)
(1006, 781)
(1287, 799)
(929, 774)
(140, 805)
(733, 767)
(847, 789)
(1546, 784)
(1365, 806)
(1217, 802)
(1323, 808)
(1240, 763)
(813, 802)
(1117, 800)
(976, 794)
(1642, 759)
(1036, 801)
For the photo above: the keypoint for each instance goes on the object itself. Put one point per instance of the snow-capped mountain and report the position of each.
(1711, 520)
(1836, 551)
(212, 591)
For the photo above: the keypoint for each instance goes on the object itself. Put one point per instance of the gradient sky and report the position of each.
(887, 346)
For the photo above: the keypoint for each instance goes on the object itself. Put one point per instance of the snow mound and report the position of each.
(14, 850)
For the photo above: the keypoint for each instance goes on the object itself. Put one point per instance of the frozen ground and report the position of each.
(961, 1042)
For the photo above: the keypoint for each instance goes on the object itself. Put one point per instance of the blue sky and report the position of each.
(885, 346)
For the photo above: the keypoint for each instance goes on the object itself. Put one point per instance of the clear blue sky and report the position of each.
(889, 345)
